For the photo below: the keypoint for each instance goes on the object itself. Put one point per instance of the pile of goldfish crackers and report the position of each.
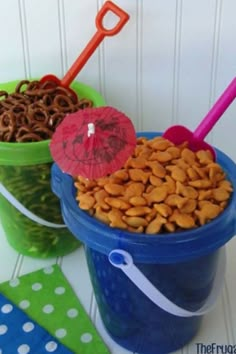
(161, 188)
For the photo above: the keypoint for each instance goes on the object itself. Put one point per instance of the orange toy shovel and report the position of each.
(101, 33)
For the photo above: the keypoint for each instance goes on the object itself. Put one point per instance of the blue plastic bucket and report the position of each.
(182, 267)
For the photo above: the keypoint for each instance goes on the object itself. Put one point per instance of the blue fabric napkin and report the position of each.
(19, 334)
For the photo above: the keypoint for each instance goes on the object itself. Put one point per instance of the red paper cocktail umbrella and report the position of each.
(93, 142)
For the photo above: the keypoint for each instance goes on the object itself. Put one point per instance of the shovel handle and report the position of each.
(216, 111)
(101, 33)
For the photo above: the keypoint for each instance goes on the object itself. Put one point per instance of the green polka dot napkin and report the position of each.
(47, 297)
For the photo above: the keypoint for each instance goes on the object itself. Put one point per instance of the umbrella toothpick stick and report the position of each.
(91, 129)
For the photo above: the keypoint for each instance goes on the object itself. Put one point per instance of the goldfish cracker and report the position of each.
(89, 184)
(127, 164)
(135, 221)
(161, 156)
(204, 157)
(80, 186)
(181, 163)
(175, 200)
(172, 217)
(146, 153)
(117, 203)
(188, 156)
(216, 166)
(215, 172)
(201, 171)
(153, 156)
(226, 185)
(207, 212)
(115, 219)
(170, 226)
(137, 175)
(86, 202)
(178, 174)
(170, 185)
(155, 181)
(109, 179)
(186, 191)
(189, 206)
(163, 209)
(138, 162)
(101, 215)
(182, 220)
(125, 199)
(97, 188)
(149, 217)
(149, 189)
(121, 175)
(192, 174)
(158, 194)
(100, 199)
(155, 225)
(142, 140)
(220, 194)
(138, 201)
(138, 211)
(114, 189)
(138, 230)
(223, 205)
(183, 145)
(161, 144)
(143, 151)
(134, 189)
(217, 178)
(174, 151)
(201, 183)
(202, 203)
(157, 169)
(154, 140)
(185, 221)
(205, 194)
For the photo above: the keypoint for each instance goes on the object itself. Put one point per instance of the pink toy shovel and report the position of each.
(178, 133)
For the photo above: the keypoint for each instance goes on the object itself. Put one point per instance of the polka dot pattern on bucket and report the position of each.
(47, 297)
(21, 335)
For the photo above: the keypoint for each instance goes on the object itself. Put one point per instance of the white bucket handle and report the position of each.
(123, 260)
(20, 207)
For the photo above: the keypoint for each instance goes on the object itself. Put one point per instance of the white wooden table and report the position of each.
(218, 327)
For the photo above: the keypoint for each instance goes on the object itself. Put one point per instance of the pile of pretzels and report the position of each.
(33, 112)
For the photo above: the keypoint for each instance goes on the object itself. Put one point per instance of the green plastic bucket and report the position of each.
(29, 212)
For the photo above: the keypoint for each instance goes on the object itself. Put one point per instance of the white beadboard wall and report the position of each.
(169, 64)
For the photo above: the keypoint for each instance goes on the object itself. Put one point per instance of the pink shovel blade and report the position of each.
(179, 134)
